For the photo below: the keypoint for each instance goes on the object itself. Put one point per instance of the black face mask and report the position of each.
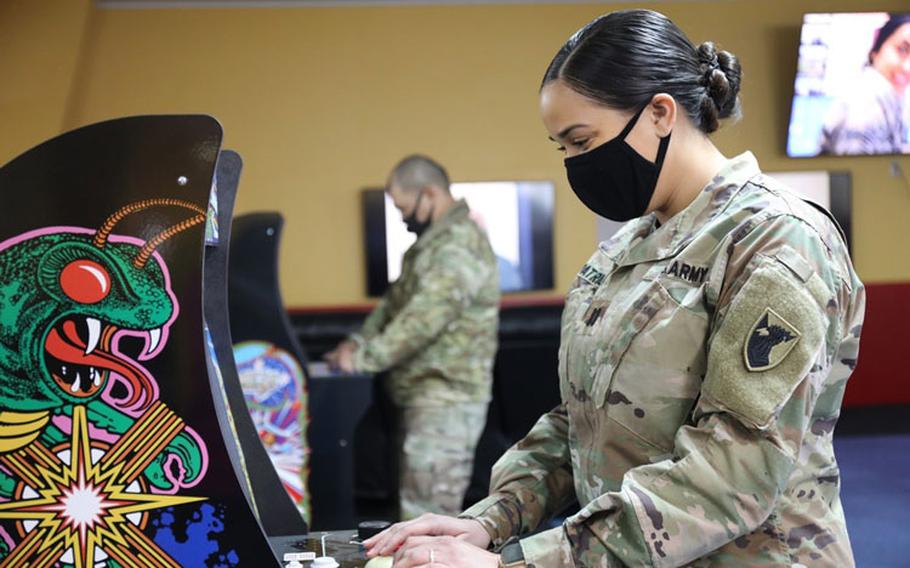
(613, 180)
(415, 226)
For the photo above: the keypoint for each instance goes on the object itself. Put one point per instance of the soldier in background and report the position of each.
(435, 332)
(705, 348)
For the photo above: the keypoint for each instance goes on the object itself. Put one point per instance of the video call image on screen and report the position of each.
(850, 94)
(516, 215)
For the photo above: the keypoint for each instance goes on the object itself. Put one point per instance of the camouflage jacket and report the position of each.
(435, 329)
(702, 367)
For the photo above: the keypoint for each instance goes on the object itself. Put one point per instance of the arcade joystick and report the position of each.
(324, 561)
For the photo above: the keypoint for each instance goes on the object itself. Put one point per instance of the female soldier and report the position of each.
(705, 347)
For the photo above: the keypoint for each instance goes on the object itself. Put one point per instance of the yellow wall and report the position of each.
(320, 102)
(40, 43)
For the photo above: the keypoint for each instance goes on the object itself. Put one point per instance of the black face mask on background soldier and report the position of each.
(411, 222)
(613, 180)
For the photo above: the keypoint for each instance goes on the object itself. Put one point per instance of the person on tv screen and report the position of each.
(705, 347)
(870, 118)
(435, 331)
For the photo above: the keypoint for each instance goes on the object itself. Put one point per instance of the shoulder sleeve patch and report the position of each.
(766, 344)
(769, 341)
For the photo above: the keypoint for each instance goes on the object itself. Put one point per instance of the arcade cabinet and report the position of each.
(269, 360)
(124, 436)
(114, 449)
(284, 400)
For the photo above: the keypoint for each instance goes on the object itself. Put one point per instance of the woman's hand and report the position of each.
(442, 552)
(428, 524)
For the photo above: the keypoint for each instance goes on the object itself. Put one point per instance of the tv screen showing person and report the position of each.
(851, 86)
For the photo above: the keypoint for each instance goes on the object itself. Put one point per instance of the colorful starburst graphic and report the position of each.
(84, 502)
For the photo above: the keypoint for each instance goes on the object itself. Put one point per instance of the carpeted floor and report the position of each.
(875, 491)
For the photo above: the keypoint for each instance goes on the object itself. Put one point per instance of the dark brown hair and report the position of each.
(894, 21)
(624, 58)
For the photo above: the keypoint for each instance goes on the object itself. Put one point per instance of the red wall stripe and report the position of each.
(881, 375)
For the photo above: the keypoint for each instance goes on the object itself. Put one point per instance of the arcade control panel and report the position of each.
(344, 547)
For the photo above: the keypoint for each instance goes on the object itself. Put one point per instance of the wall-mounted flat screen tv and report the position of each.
(851, 94)
(517, 216)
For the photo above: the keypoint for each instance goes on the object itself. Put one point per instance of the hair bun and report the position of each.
(707, 58)
(720, 76)
(622, 59)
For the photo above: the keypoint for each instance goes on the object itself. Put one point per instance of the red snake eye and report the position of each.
(85, 281)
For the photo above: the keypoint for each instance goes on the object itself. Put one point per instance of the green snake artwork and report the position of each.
(67, 297)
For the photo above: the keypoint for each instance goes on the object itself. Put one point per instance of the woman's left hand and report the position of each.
(442, 552)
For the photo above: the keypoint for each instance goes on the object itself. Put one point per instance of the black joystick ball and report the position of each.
(366, 529)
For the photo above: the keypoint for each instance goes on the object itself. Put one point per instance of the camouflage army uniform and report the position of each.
(436, 332)
(702, 367)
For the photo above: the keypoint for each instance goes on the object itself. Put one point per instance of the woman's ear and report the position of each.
(662, 113)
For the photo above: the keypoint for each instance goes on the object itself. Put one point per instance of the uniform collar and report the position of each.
(648, 242)
(457, 212)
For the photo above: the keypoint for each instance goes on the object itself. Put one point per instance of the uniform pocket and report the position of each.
(574, 332)
(618, 332)
(651, 387)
